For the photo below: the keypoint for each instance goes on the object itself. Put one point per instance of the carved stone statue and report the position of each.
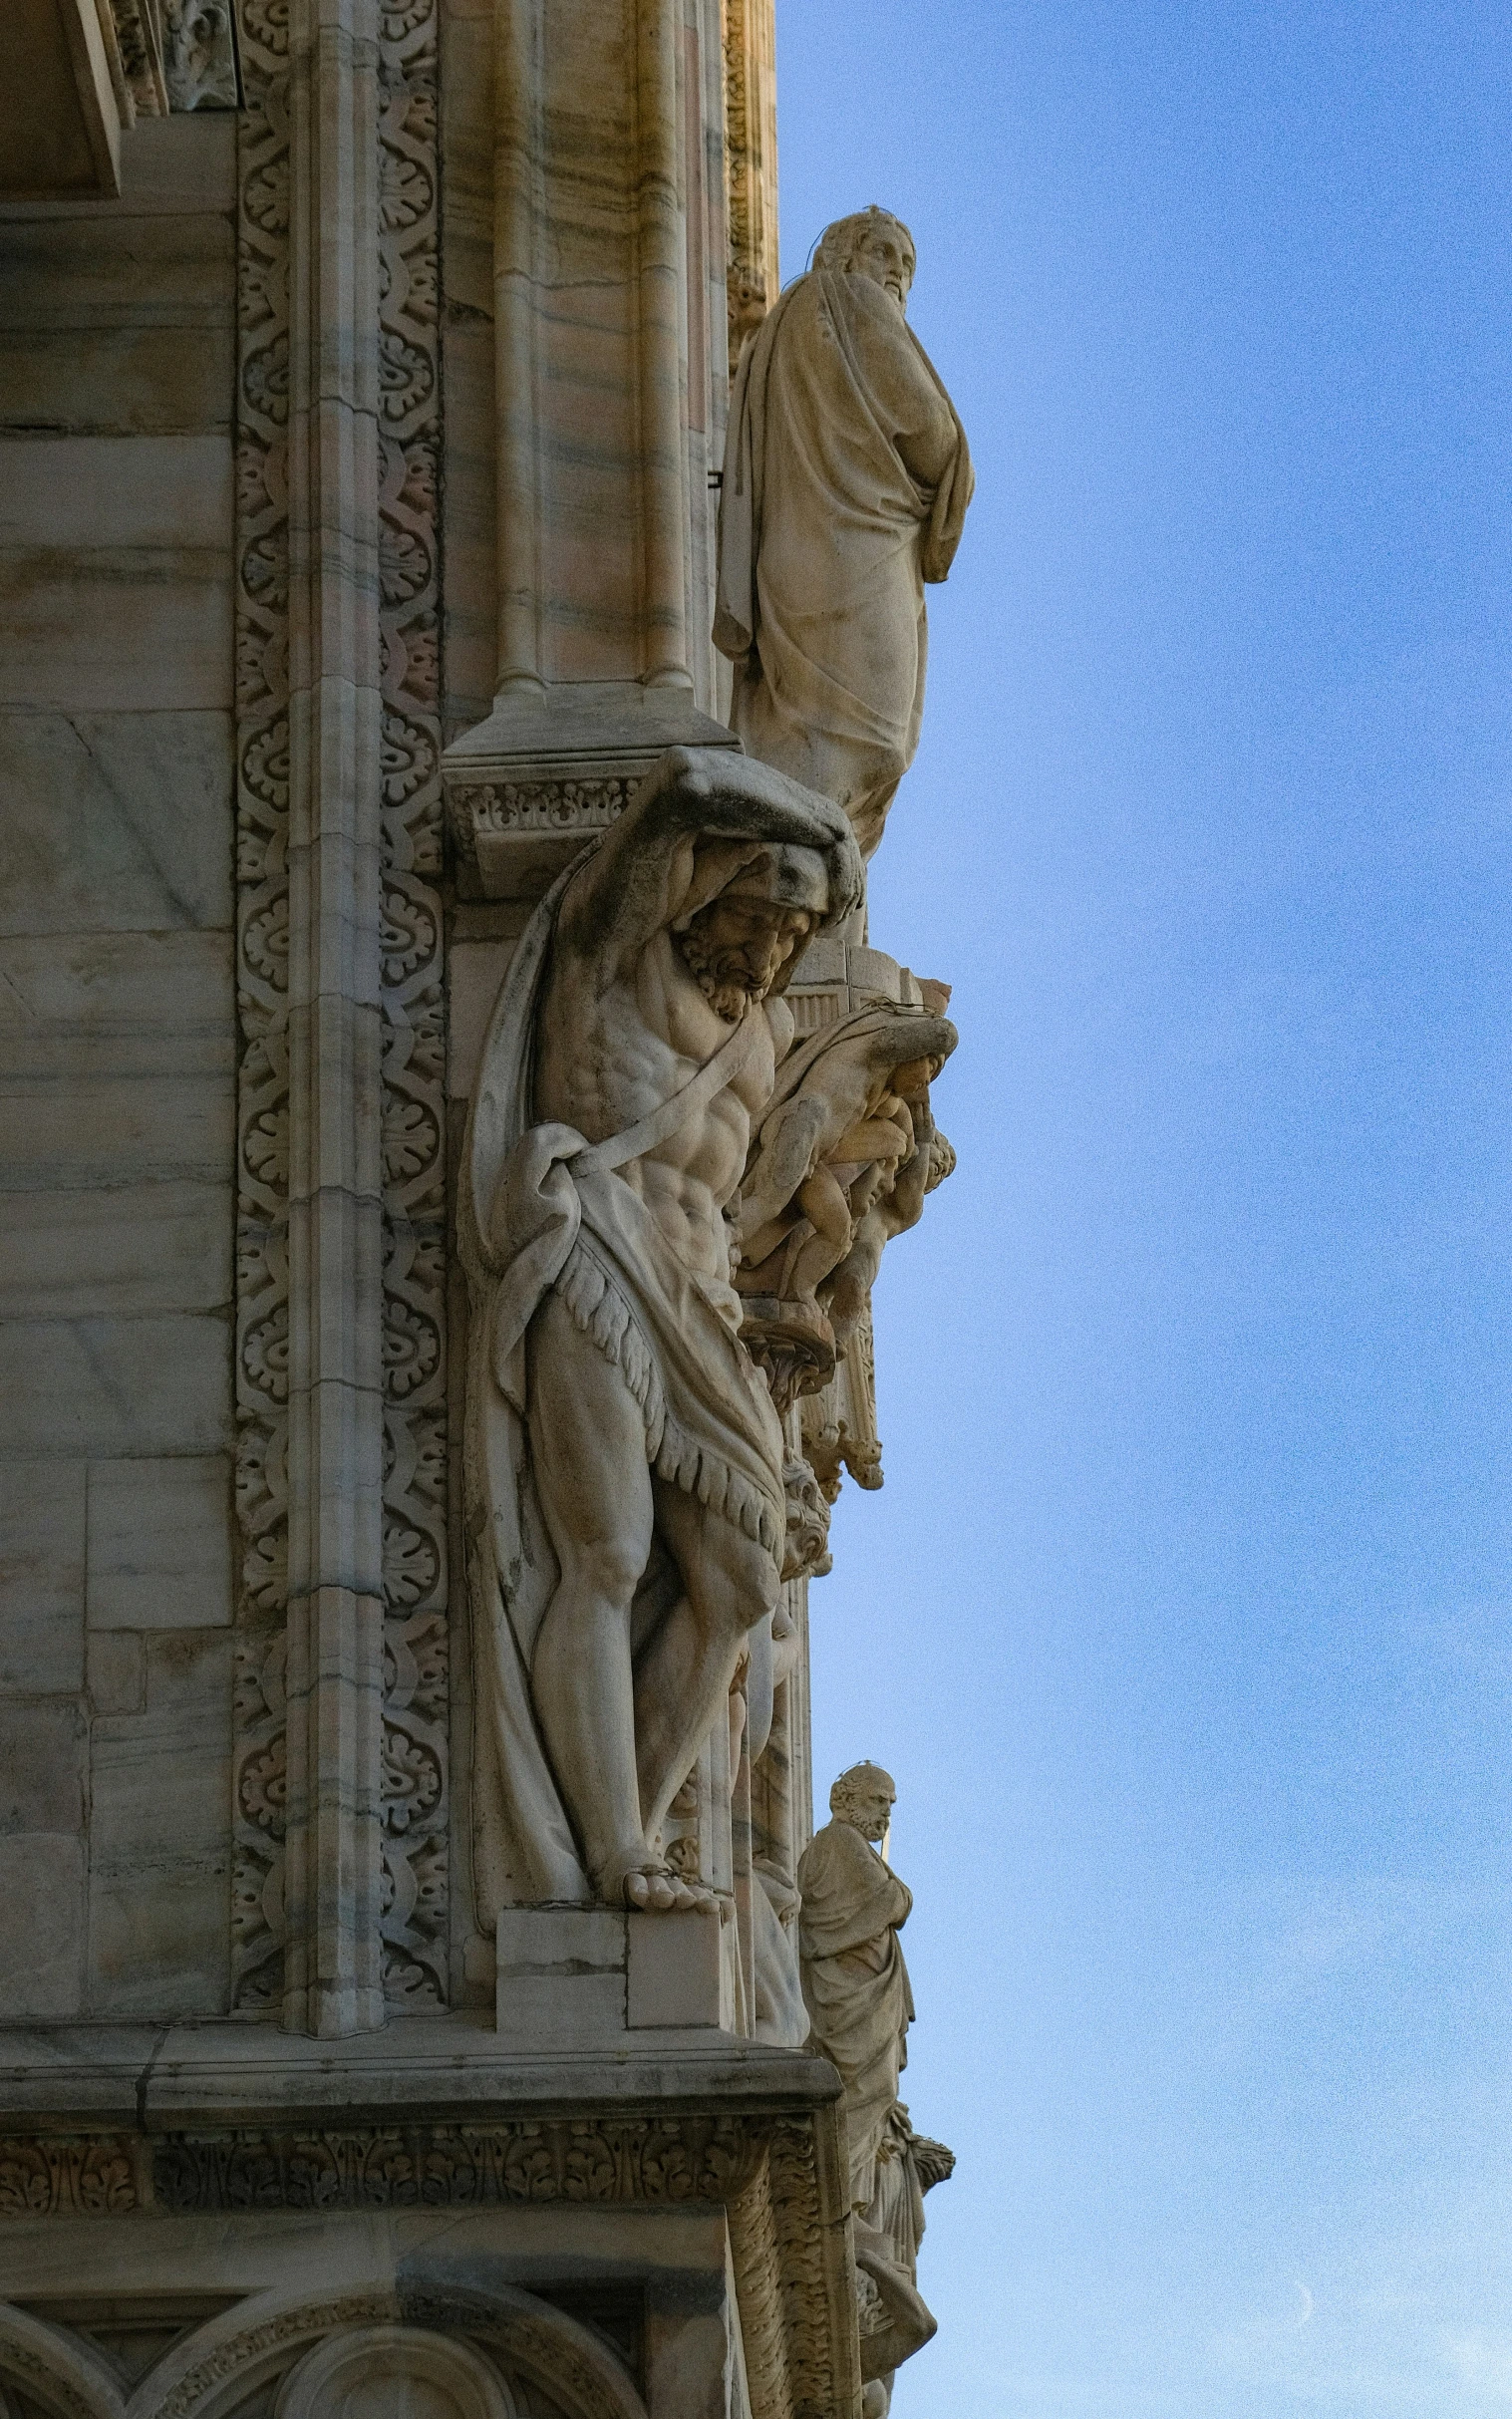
(845, 488)
(855, 1982)
(841, 1161)
(623, 1459)
(856, 1988)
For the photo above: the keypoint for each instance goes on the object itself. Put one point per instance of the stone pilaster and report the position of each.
(333, 1979)
(751, 164)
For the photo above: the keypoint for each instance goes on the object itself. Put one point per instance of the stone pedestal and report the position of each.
(588, 1978)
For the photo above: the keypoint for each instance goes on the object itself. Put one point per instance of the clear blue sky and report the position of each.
(1183, 1619)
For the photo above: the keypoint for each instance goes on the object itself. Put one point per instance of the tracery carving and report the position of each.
(416, 1794)
(262, 927)
(199, 54)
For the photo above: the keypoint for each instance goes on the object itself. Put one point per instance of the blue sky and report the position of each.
(1183, 1620)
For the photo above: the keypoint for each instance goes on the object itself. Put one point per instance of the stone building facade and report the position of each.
(364, 374)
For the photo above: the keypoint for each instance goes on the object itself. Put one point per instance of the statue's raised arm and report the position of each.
(700, 818)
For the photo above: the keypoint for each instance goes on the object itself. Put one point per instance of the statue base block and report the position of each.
(583, 1977)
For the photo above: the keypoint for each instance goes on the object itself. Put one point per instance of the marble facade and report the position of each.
(364, 374)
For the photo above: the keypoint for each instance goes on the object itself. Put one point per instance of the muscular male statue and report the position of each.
(623, 1463)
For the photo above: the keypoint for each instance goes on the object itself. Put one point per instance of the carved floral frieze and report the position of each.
(262, 965)
(416, 1791)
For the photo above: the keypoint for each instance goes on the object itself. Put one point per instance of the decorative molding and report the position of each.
(458, 2165)
(487, 817)
(779, 2177)
(415, 1790)
(251, 2345)
(262, 1002)
(66, 2176)
(752, 276)
(138, 29)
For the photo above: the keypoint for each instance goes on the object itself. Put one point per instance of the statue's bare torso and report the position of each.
(610, 1053)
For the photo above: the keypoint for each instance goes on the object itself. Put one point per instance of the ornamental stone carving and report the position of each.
(620, 1564)
(845, 487)
(841, 1161)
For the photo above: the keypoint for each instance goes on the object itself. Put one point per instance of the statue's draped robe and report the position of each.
(856, 1983)
(540, 1211)
(847, 481)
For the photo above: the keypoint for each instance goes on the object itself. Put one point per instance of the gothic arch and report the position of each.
(206, 2375)
(63, 2373)
(333, 2376)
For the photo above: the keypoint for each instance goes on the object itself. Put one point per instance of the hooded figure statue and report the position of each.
(845, 488)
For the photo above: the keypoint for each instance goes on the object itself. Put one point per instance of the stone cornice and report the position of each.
(760, 2135)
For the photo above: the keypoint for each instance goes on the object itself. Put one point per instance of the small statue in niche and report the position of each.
(841, 1160)
(623, 1461)
(845, 487)
(856, 1985)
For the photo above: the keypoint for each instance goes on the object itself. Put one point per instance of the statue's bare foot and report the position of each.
(650, 1887)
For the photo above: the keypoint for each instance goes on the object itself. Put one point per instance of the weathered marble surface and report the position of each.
(681, 2205)
(115, 571)
(119, 325)
(161, 1665)
(117, 1062)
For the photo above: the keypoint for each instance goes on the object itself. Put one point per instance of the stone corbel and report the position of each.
(548, 771)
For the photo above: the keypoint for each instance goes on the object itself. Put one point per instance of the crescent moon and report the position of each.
(1307, 2305)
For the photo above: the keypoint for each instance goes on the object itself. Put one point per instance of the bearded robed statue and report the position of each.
(845, 487)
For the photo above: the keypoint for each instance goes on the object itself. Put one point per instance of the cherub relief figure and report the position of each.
(893, 1209)
(623, 1459)
(846, 1150)
(845, 487)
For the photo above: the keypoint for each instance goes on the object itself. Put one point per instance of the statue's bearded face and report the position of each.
(868, 1811)
(735, 948)
(883, 253)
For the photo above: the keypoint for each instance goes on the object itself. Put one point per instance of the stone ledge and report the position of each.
(756, 2134)
(156, 2077)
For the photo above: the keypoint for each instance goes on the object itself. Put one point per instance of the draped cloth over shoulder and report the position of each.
(541, 1210)
(855, 1982)
(847, 481)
